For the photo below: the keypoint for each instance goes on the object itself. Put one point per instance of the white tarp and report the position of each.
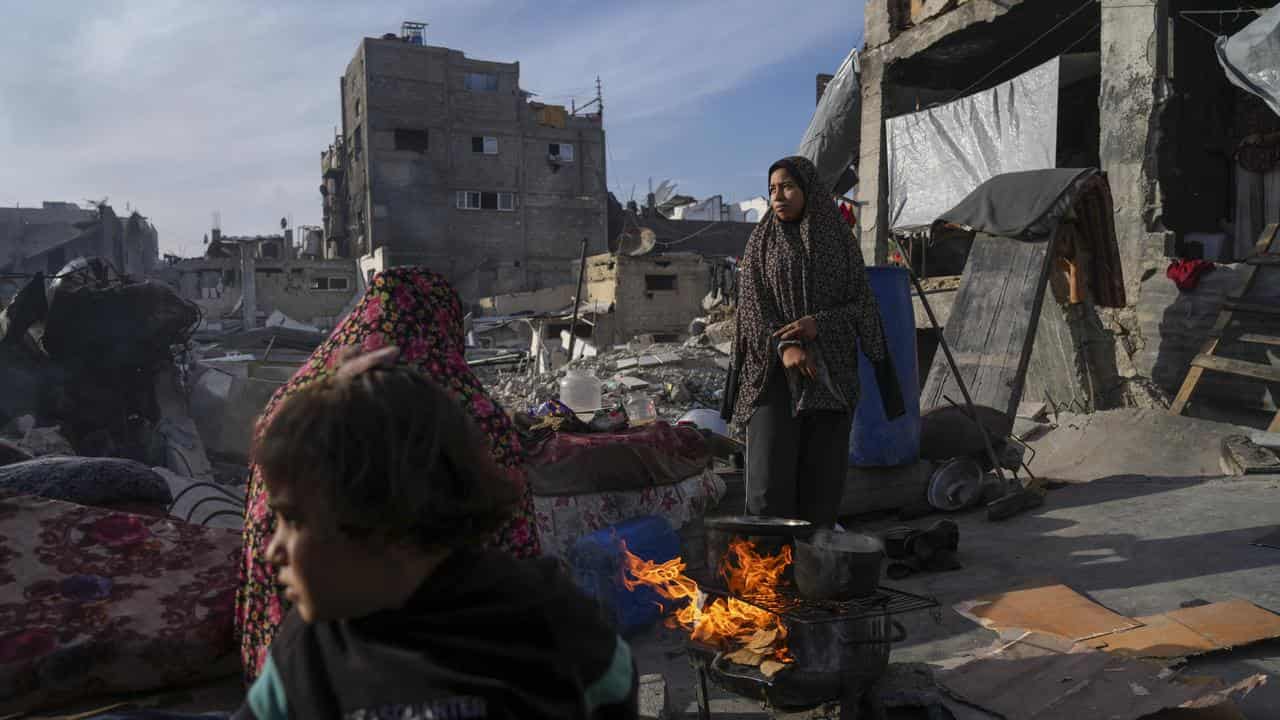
(1251, 58)
(936, 157)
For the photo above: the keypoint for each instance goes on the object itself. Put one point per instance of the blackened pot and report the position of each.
(838, 566)
(831, 659)
(765, 531)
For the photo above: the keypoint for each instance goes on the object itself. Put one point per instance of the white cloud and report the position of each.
(182, 108)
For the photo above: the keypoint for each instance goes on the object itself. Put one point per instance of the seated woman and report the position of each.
(415, 310)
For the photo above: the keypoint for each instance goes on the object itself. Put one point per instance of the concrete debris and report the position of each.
(721, 332)
(279, 319)
(653, 697)
(47, 441)
(631, 383)
(677, 378)
(20, 426)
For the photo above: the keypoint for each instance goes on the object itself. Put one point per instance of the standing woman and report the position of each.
(409, 316)
(804, 303)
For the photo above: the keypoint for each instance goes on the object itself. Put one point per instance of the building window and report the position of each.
(270, 251)
(560, 151)
(481, 82)
(659, 283)
(475, 200)
(229, 278)
(484, 144)
(330, 283)
(411, 140)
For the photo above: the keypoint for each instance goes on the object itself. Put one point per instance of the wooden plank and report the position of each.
(1184, 392)
(1255, 339)
(992, 325)
(1275, 424)
(1266, 373)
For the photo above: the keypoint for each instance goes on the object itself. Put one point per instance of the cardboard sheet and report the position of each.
(1054, 609)
(1031, 680)
(1059, 610)
(1192, 631)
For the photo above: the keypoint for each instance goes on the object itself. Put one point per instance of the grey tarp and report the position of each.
(832, 137)
(936, 156)
(1251, 57)
(1019, 204)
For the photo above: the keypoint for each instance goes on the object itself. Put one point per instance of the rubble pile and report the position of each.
(678, 378)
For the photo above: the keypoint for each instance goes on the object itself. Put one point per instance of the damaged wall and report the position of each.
(310, 291)
(1155, 338)
(46, 238)
(653, 294)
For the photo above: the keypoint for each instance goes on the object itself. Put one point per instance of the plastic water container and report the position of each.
(598, 566)
(876, 441)
(581, 391)
(640, 409)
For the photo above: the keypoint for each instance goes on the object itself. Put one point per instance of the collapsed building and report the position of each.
(957, 92)
(44, 239)
(245, 282)
(658, 276)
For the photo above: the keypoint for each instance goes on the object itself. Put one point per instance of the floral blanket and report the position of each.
(562, 519)
(95, 602)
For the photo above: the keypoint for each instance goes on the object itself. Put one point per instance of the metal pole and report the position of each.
(577, 299)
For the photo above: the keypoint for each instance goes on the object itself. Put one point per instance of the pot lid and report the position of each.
(760, 525)
(956, 485)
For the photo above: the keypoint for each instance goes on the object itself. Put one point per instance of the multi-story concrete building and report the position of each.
(445, 161)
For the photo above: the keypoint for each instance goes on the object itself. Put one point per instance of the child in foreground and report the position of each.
(398, 610)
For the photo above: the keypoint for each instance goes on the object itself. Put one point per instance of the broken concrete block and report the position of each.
(653, 697)
(627, 363)
(662, 358)
(725, 347)
(632, 383)
(20, 426)
(47, 441)
(679, 393)
(721, 332)
(1240, 456)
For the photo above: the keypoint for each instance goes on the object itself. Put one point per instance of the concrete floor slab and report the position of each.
(1145, 523)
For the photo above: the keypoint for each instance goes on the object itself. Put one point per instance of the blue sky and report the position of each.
(181, 108)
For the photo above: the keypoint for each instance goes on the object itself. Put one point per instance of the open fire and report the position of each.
(749, 635)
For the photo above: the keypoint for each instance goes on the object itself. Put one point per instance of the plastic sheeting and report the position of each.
(1251, 58)
(936, 157)
(832, 137)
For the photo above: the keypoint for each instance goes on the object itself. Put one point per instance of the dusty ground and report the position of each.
(1146, 523)
(1143, 523)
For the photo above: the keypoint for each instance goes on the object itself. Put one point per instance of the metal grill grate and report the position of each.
(793, 608)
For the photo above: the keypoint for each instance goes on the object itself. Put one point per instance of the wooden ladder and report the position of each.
(1240, 303)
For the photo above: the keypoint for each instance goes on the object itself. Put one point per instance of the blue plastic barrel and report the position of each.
(598, 566)
(876, 441)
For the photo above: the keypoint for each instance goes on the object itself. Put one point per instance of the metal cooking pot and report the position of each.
(765, 530)
(837, 566)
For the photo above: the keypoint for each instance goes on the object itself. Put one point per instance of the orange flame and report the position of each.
(724, 621)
